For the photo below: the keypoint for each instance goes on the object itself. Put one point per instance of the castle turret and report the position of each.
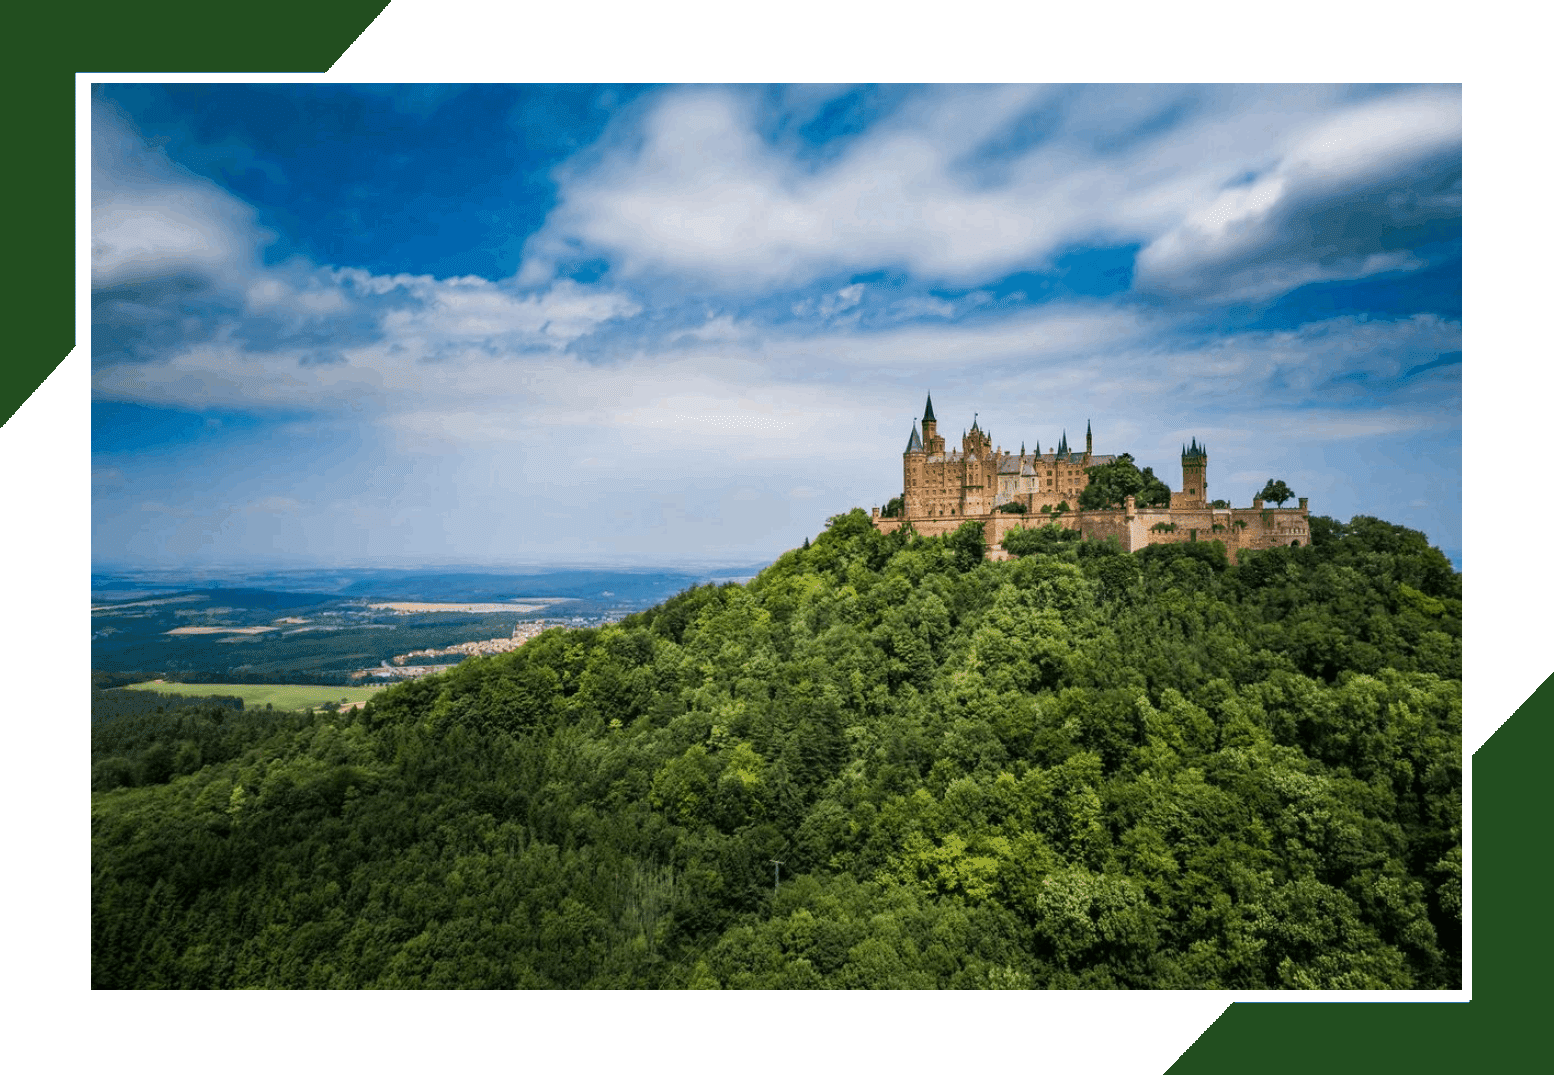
(912, 474)
(1089, 443)
(932, 442)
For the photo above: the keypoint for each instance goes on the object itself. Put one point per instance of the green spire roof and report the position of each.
(914, 443)
(928, 413)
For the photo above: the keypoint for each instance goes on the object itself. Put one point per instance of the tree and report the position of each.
(1111, 484)
(893, 508)
(966, 545)
(1277, 492)
(1014, 507)
(1024, 542)
(1219, 504)
(1157, 494)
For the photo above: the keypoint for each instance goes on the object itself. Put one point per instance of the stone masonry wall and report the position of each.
(1265, 528)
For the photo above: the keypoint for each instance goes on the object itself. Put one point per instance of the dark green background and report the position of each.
(1511, 936)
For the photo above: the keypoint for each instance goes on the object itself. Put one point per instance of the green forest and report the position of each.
(886, 762)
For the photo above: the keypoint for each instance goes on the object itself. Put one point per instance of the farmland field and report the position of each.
(258, 695)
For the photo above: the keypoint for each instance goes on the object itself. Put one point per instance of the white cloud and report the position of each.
(152, 218)
(688, 187)
(716, 329)
(921, 306)
(470, 311)
(1337, 156)
(828, 306)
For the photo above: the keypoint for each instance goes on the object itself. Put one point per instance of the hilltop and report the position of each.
(1076, 768)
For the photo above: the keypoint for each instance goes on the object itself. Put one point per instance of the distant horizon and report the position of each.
(497, 568)
(523, 568)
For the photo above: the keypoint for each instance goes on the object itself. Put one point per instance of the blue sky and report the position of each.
(684, 325)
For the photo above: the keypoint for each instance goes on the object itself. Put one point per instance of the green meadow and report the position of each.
(258, 695)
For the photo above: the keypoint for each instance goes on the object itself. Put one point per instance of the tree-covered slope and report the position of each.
(1076, 769)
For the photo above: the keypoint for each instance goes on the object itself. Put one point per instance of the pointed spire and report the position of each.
(914, 443)
(928, 411)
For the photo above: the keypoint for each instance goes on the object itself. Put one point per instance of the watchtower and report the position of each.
(1195, 477)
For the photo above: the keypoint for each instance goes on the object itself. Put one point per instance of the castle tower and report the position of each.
(978, 472)
(1089, 442)
(1195, 477)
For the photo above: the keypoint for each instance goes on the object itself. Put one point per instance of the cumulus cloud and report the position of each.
(153, 220)
(185, 312)
(1336, 191)
(967, 184)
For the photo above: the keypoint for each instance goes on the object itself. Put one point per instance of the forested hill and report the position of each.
(1080, 768)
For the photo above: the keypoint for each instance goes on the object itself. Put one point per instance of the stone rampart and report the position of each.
(1237, 528)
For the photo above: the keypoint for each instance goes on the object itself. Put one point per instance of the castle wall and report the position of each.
(1268, 528)
(1103, 525)
(1263, 529)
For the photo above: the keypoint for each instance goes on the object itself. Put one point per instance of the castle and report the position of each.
(941, 490)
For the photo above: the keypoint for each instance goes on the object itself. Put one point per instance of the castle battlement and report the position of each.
(943, 489)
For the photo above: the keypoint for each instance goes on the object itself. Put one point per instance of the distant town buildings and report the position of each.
(401, 668)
